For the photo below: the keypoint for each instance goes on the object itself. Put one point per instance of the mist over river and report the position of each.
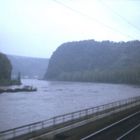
(56, 98)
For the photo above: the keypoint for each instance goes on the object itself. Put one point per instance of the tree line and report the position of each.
(94, 61)
(5, 72)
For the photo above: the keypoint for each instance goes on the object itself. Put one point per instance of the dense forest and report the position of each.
(29, 67)
(94, 61)
(5, 70)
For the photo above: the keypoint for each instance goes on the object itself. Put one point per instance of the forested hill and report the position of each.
(5, 70)
(28, 67)
(93, 61)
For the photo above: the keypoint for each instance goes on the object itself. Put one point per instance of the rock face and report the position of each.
(92, 61)
(5, 69)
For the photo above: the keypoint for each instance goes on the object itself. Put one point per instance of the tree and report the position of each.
(95, 61)
(5, 70)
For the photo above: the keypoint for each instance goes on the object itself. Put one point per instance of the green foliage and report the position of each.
(5, 69)
(94, 61)
(5, 72)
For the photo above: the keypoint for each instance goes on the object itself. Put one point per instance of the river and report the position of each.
(56, 98)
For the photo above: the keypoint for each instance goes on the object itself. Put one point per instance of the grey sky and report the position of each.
(37, 27)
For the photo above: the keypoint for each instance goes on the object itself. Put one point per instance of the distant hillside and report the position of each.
(28, 67)
(95, 61)
(5, 70)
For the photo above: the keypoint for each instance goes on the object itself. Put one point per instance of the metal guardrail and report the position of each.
(61, 119)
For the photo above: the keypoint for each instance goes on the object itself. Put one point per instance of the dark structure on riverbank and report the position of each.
(18, 89)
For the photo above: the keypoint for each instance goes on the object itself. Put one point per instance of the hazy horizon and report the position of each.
(35, 28)
(37, 57)
(56, 48)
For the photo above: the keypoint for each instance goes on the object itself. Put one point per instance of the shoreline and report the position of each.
(17, 89)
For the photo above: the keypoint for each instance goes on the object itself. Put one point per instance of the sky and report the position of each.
(37, 28)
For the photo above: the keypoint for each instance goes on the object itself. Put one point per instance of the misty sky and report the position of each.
(37, 27)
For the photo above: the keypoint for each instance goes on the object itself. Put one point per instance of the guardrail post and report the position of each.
(63, 118)
(14, 133)
(92, 110)
(103, 107)
(79, 113)
(86, 112)
(72, 116)
(54, 121)
(97, 111)
(29, 128)
(42, 125)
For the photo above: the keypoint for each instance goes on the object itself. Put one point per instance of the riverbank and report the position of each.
(18, 89)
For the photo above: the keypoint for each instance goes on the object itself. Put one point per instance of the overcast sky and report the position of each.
(37, 27)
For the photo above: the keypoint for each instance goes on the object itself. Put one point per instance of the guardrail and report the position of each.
(69, 117)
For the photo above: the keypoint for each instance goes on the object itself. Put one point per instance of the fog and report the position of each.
(37, 27)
